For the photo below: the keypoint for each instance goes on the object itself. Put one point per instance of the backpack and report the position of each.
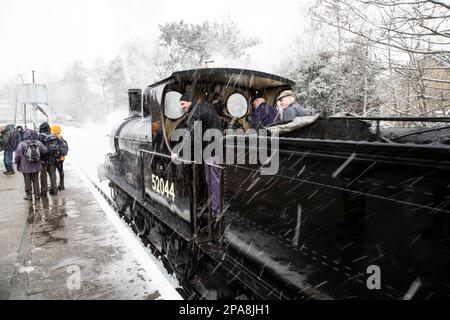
(32, 153)
(52, 144)
(18, 138)
(63, 147)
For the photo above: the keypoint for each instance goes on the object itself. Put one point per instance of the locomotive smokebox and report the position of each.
(134, 100)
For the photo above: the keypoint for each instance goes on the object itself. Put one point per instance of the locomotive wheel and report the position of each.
(174, 251)
(166, 251)
(140, 222)
(188, 266)
(121, 201)
(182, 259)
(175, 256)
(164, 240)
(113, 193)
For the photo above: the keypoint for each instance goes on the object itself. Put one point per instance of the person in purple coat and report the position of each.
(263, 113)
(28, 160)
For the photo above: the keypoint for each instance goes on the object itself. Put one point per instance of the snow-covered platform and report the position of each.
(67, 247)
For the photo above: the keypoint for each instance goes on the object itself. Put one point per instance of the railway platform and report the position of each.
(64, 247)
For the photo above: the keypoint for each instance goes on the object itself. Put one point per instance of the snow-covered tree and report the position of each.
(186, 45)
(71, 95)
(410, 40)
(111, 82)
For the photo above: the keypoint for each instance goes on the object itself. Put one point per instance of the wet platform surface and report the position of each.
(64, 247)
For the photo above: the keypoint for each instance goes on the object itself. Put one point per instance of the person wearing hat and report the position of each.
(289, 108)
(206, 113)
(28, 155)
(199, 111)
(49, 161)
(263, 114)
(63, 148)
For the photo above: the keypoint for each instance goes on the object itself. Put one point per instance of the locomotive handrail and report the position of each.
(166, 156)
(408, 119)
(132, 139)
(179, 159)
(214, 165)
(358, 144)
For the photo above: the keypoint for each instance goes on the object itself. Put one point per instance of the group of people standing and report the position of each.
(38, 156)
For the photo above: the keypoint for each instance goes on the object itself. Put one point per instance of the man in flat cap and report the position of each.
(263, 114)
(289, 108)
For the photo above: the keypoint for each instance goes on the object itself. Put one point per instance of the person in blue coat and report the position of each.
(263, 113)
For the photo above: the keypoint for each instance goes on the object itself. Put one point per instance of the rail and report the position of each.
(405, 119)
(408, 119)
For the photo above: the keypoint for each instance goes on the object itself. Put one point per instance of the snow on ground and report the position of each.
(88, 146)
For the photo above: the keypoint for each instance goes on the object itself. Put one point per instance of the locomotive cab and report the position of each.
(229, 92)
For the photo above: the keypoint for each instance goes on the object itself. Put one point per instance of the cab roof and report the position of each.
(230, 77)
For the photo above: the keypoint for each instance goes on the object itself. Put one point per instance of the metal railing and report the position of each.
(395, 119)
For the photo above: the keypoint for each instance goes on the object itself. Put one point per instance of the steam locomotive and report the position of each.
(355, 210)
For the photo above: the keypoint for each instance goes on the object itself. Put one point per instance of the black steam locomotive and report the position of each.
(354, 211)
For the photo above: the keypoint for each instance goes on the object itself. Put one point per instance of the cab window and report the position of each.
(172, 108)
(237, 105)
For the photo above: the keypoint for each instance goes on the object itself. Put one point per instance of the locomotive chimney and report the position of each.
(134, 100)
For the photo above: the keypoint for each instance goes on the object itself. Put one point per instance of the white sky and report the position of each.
(44, 35)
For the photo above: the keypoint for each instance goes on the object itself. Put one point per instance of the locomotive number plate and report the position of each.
(163, 187)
